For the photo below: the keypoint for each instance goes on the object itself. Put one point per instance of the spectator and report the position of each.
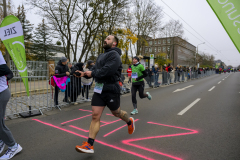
(87, 81)
(129, 71)
(70, 67)
(156, 74)
(76, 82)
(61, 70)
(148, 78)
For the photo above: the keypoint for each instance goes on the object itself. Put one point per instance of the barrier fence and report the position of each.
(43, 96)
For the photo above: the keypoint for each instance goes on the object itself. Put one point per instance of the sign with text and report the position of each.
(228, 12)
(11, 34)
(151, 60)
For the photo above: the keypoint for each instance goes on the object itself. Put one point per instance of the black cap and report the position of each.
(136, 58)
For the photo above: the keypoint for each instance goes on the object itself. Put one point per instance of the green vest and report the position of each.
(137, 69)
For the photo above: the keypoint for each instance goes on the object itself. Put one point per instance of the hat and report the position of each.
(63, 59)
(90, 62)
(136, 58)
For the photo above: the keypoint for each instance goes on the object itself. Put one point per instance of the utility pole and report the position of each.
(5, 15)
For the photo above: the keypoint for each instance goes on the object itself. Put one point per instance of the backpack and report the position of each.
(52, 82)
(166, 69)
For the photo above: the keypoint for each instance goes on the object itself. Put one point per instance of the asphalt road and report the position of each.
(187, 121)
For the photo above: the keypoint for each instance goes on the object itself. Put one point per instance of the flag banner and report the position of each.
(228, 12)
(11, 34)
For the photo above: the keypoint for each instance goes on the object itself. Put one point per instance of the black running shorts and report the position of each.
(111, 100)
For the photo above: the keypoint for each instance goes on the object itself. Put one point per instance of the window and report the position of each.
(146, 49)
(150, 43)
(164, 49)
(150, 49)
(155, 42)
(155, 49)
(164, 41)
(159, 49)
(159, 41)
(169, 40)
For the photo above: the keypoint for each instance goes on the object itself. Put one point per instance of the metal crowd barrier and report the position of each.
(42, 94)
(20, 102)
(41, 91)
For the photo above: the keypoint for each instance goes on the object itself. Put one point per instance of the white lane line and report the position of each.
(178, 90)
(188, 107)
(211, 88)
(219, 82)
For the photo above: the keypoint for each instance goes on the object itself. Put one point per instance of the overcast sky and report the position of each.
(199, 15)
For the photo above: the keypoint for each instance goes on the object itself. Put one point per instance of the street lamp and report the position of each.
(197, 51)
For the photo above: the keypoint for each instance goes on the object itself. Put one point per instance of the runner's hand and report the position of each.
(88, 73)
(67, 73)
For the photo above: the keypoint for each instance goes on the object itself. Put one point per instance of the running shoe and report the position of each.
(131, 128)
(135, 111)
(85, 148)
(2, 145)
(149, 96)
(82, 98)
(88, 100)
(11, 152)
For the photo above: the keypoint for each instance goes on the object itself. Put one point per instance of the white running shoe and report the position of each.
(11, 152)
(149, 96)
(88, 100)
(2, 146)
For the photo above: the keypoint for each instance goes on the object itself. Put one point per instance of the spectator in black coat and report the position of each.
(61, 70)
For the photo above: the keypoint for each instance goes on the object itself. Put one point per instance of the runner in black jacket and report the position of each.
(107, 73)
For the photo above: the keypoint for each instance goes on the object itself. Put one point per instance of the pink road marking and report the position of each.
(110, 122)
(103, 143)
(109, 114)
(127, 142)
(79, 128)
(76, 119)
(104, 122)
(85, 110)
(117, 129)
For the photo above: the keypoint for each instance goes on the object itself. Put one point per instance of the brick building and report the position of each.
(177, 49)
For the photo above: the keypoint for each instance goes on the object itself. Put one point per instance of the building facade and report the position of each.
(178, 50)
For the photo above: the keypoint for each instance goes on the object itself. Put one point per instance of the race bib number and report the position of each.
(134, 75)
(98, 88)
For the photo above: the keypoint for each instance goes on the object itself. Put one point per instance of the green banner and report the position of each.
(11, 34)
(228, 12)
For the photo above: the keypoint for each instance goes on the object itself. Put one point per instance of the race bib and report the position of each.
(134, 75)
(98, 88)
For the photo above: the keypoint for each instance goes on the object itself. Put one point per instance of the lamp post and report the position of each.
(197, 52)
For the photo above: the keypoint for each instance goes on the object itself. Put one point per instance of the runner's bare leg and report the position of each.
(95, 123)
(121, 114)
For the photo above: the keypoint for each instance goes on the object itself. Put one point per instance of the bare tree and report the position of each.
(148, 18)
(79, 20)
(172, 29)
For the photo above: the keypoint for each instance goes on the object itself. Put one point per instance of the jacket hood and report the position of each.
(59, 62)
(119, 51)
(80, 66)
